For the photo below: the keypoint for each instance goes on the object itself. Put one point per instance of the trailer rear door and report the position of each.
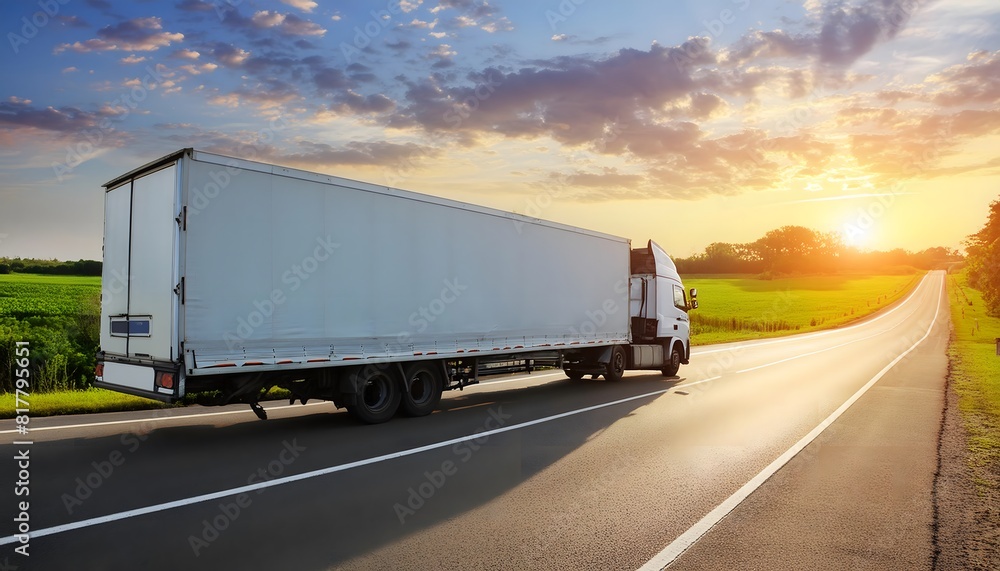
(139, 306)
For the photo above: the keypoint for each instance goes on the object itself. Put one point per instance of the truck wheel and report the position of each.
(674, 364)
(615, 369)
(378, 395)
(574, 375)
(421, 389)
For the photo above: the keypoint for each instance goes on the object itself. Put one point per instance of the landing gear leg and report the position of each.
(258, 410)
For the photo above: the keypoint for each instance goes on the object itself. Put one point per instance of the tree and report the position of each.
(983, 249)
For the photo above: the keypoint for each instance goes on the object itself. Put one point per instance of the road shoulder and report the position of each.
(967, 531)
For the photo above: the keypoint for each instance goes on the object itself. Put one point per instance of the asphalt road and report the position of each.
(806, 452)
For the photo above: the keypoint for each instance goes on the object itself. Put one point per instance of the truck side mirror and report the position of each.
(694, 304)
(694, 292)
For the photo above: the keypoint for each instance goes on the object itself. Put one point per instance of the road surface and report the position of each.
(809, 452)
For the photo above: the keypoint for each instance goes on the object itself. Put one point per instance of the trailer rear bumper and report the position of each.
(154, 380)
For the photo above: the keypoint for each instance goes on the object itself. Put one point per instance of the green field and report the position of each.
(975, 376)
(29, 295)
(737, 308)
(60, 317)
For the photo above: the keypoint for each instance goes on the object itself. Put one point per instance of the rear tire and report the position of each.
(674, 364)
(421, 389)
(378, 395)
(615, 369)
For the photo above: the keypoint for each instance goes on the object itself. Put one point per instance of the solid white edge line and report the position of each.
(683, 542)
(312, 474)
(160, 418)
(246, 411)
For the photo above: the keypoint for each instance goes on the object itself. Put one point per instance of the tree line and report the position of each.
(800, 250)
(51, 267)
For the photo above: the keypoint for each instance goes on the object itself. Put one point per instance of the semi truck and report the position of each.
(227, 277)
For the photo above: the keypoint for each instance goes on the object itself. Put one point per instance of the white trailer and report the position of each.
(233, 276)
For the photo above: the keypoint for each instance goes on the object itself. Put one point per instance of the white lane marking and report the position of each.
(683, 542)
(160, 418)
(313, 474)
(751, 344)
(708, 380)
(245, 411)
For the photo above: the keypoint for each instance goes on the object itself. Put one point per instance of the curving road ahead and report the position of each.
(816, 451)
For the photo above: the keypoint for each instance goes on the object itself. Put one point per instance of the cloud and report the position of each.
(482, 15)
(186, 54)
(443, 56)
(132, 58)
(845, 32)
(229, 55)
(18, 113)
(288, 24)
(571, 99)
(304, 5)
(410, 5)
(137, 35)
(976, 81)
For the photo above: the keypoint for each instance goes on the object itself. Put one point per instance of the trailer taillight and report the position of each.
(165, 380)
(99, 371)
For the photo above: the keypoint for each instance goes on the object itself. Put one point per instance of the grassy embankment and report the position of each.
(975, 376)
(59, 316)
(738, 308)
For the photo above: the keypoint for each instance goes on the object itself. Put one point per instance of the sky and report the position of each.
(686, 122)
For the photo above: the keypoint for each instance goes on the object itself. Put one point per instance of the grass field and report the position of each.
(60, 317)
(975, 376)
(76, 402)
(29, 295)
(736, 308)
